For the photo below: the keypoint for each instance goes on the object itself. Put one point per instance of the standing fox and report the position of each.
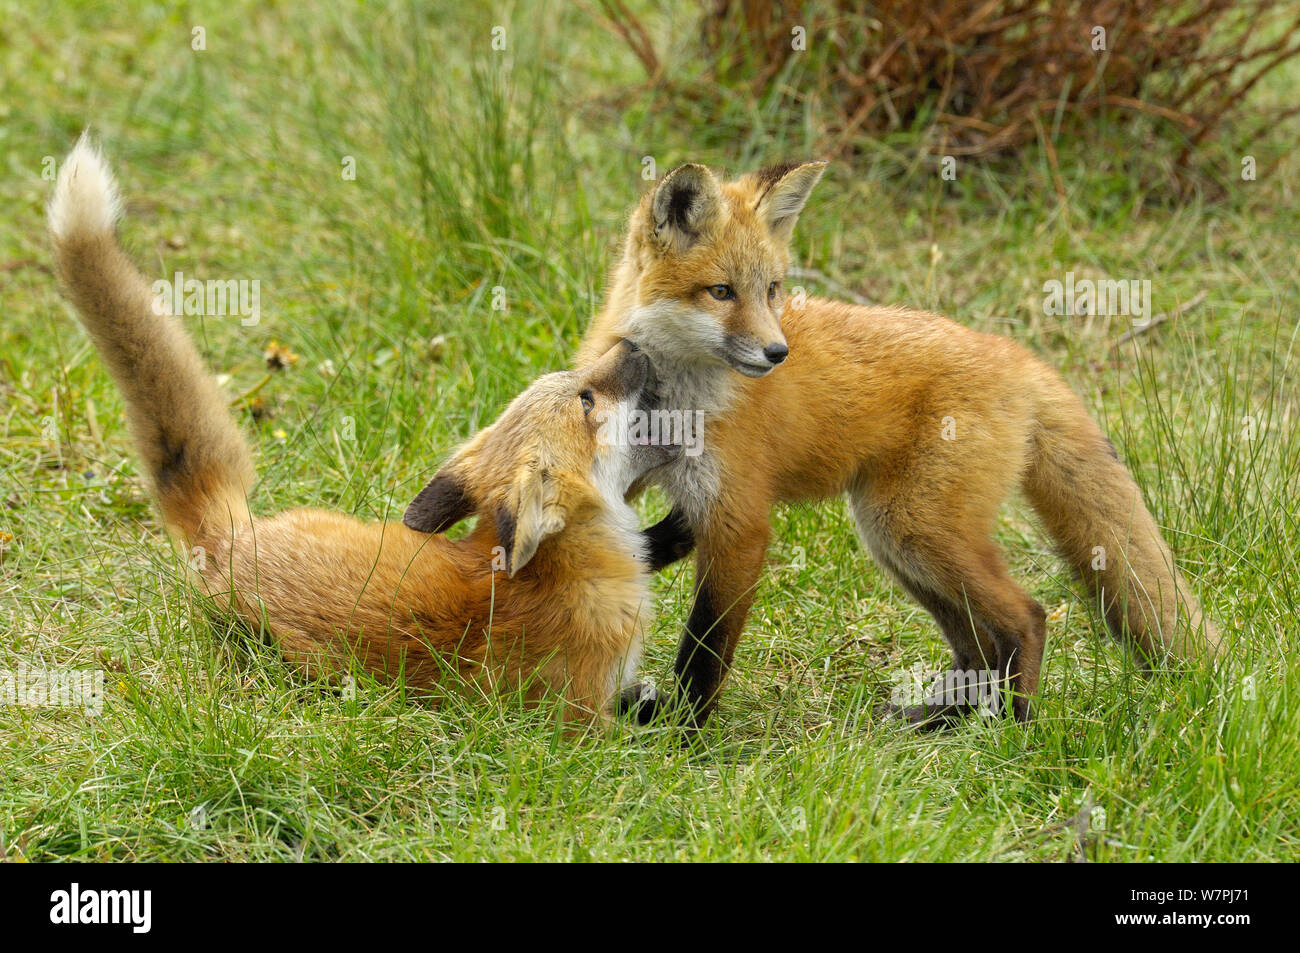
(927, 426)
(544, 595)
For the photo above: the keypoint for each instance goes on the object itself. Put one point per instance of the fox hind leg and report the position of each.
(983, 614)
(970, 683)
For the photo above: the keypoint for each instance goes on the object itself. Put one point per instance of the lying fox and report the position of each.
(545, 595)
(925, 424)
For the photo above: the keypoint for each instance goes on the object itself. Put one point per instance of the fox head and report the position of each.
(556, 457)
(705, 261)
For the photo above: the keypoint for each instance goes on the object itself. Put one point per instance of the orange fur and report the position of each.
(545, 595)
(862, 405)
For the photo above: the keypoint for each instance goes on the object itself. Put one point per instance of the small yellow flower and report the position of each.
(278, 356)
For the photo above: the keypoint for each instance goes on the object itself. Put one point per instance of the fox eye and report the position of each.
(722, 292)
(588, 402)
(771, 289)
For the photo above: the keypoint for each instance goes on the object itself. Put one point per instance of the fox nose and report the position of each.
(633, 368)
(776, 353)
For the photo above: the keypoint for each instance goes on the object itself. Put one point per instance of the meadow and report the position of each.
(430, 222)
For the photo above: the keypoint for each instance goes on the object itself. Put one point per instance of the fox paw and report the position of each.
(641, 701)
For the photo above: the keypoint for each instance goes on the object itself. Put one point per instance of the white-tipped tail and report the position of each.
(86, 201)
(190, 445)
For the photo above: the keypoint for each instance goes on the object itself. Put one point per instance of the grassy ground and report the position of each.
(475, 169)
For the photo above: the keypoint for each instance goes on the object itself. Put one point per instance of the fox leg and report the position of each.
(973, 578)
(963, 583)
(973, 655)
(669, 540)
(728, 565)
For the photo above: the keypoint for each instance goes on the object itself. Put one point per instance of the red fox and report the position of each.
(544, 595)
(927, 426)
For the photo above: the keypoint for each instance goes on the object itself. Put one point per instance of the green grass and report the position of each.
(477, 169)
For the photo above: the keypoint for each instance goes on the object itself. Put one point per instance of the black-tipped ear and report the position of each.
(685, 203)
(784, 191)
(440, 505)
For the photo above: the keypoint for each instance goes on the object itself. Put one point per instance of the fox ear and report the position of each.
(443, 503)
(531, 514)
(685, 204)
(784, 191)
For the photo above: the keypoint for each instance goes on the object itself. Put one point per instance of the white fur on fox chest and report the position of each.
(690, 379)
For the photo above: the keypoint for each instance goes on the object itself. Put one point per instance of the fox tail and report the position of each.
(1093, 509)
(198, 463)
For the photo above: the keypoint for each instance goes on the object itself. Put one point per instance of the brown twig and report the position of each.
(1160, 319)
(618, 19)
(987, 70)
(16, 264)
(812, 274)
